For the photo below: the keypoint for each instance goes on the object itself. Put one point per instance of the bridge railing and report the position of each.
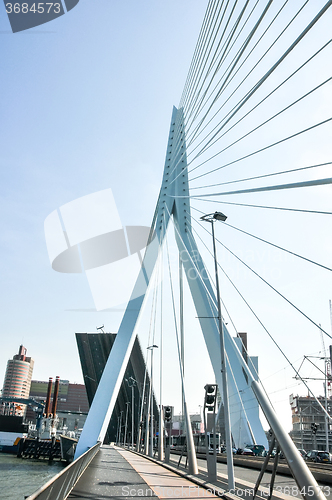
(59, 487)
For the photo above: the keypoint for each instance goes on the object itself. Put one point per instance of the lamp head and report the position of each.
(214, 216)
(219, 216)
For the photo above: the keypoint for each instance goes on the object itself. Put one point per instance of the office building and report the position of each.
(18, 375)
(311, 428)
(71, 397)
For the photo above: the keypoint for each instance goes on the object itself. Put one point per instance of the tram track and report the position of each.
(321, 472)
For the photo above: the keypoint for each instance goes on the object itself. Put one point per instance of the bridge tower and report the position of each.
(173, 201)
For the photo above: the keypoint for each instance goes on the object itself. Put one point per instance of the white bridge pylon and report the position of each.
(174, 201)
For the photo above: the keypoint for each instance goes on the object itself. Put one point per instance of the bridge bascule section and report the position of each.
(174, 203)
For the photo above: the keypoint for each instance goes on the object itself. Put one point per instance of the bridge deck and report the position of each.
(119, 474)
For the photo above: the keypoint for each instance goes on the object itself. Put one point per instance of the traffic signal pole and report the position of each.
(227, 420)
(167, 410)
(209, 410)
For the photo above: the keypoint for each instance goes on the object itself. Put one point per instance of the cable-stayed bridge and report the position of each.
(251, 134)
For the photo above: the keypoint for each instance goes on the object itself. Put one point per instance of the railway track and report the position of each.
(321, 472)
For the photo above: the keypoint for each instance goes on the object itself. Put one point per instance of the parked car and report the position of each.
(318, 456)
(303, 453)
(273, 453)
(258, 449)
(248, 451)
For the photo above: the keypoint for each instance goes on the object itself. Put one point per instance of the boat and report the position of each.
(68, 447)
(12, 430)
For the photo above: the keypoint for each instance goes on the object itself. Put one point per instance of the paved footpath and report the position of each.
(117, 474)
(163, 482)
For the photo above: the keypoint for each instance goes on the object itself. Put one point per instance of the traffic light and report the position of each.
(168, 413)
(314, 428)
(210, 397)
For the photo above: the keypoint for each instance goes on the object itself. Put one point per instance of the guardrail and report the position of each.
(59, 487)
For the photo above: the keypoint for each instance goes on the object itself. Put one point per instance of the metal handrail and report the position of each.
(59, 487)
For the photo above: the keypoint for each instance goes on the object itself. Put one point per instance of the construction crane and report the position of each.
(327, 361)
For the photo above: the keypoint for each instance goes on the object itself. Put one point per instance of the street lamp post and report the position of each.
(117, 431)
(139, 439)
(131, 383)
(151, 347)
(146, 439)
(120, 424)
(125, 433)
(230, 469)
(161, 411)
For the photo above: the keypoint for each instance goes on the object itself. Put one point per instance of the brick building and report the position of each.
(72, 397)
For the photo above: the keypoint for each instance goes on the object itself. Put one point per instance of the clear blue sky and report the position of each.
(85, 105)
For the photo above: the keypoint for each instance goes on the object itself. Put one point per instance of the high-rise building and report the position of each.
(311, 428)
(18, 375)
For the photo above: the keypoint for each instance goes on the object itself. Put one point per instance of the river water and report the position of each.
(20, 477)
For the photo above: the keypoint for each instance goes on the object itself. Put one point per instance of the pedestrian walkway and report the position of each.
(163, 482)
(121, 474)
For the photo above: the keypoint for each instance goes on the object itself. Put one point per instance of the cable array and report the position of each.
(256, 67)
(232, 84)
(254, 110)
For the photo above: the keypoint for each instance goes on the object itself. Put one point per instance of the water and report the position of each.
(20, 477)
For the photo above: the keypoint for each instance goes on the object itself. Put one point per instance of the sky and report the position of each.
(85, 106)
